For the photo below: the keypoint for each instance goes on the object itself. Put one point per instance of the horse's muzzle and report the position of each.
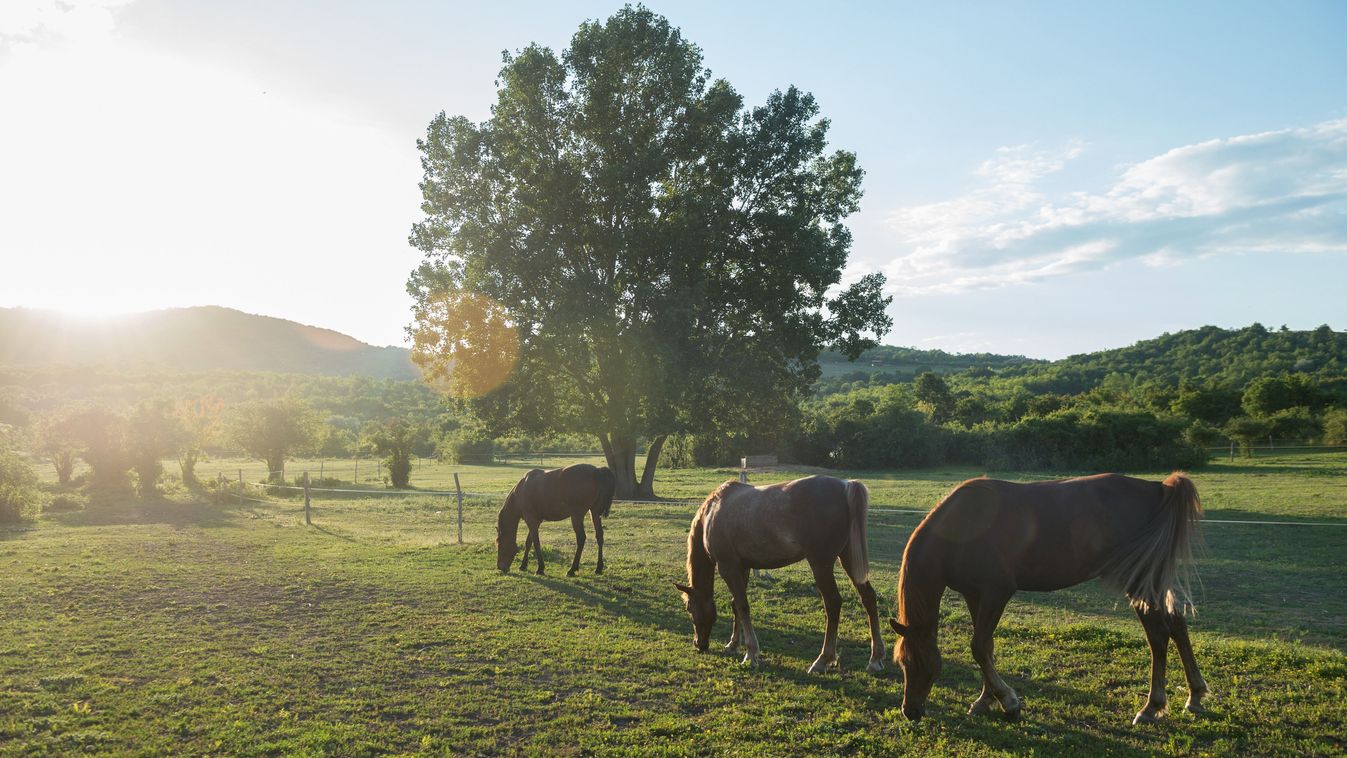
(914, 714)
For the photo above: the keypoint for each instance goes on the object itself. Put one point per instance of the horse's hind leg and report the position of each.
(736, 628)
(868, 600)
(832, 606)
(577, 523)
(1157, 637)
(1197, 686)
(598, 537)
(987, 608)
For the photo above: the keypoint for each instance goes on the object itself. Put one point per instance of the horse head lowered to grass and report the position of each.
(739, 527)
(989, 539)
(554, 495)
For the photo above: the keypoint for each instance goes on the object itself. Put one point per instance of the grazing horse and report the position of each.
(989, 538)
(819, 519)
(552, 496)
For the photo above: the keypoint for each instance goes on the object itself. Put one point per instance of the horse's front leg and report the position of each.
(528, 546)
(577, 523)
(1157, 638)
(832, 606)
(737, 579)
(987, 609)
(537, 548)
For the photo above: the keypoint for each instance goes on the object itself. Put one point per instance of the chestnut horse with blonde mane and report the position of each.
(739, 527)
(988, 539)
(554, 495)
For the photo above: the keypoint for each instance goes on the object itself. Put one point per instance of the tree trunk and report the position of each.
(620, 451)
(646, 490)
(276, 468)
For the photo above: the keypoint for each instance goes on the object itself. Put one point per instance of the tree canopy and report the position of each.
(624, 249)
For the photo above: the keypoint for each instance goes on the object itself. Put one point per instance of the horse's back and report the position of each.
(1038, 535)
(779, 524)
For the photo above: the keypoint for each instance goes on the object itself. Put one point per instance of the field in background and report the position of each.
(175, 626)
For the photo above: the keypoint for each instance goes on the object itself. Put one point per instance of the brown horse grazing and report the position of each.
(552, 496)
(989, 538)
(819, 519)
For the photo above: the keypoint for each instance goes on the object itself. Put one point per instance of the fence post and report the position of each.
(320, 470)
(240, 487)
(459, 489)
(1232, 451)
(307, 520)
(357, 471)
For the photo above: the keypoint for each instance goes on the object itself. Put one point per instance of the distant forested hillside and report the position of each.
(1232, 357)
(1160, 403)
(888, 364)
(184, 340)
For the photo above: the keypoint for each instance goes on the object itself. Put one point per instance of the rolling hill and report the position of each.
(196, 339)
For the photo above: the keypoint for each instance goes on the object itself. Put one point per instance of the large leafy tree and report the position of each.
(624, 249)
(273, 431)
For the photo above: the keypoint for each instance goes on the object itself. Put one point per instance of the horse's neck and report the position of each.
(919, 591)
(701, 569)
(507, 521)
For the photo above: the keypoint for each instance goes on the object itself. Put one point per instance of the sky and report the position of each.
(1042, 178)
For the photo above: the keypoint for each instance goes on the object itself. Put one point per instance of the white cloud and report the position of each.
(30, 21)
(1282, 191)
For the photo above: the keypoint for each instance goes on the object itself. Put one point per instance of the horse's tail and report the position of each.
(603, 502)
(1155, 569)
(858, 550)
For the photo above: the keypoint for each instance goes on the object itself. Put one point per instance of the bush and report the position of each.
(20, 497)
(456, 449)
(1097, 440)
(1335, 427)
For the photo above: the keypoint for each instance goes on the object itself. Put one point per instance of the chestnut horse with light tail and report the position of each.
(819, 519)
(989, 539)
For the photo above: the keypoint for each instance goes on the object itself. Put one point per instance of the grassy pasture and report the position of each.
(174, 626)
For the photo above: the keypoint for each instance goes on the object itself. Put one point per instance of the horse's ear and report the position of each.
(683, 588)
(897, 627)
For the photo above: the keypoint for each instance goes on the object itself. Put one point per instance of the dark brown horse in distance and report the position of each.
(988, 539)
(819, 519)
(552, 496)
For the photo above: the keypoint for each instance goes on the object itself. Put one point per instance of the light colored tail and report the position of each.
(858, 550)
(1155, 569)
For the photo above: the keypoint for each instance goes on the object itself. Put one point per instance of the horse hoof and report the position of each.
(1146, 716)
(539, 572)
(599, 570)
(1194, 706)
(750, 661)
(979, 708)
(1013, 714)
(875, 667)
(571, 572)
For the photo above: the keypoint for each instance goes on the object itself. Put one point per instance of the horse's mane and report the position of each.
(700, 564)
(911, 602)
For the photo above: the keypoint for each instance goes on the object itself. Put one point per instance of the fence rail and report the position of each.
(460, 494)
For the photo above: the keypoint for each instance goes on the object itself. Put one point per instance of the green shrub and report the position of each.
(1335, 427)
(20, 497)
(456, 449)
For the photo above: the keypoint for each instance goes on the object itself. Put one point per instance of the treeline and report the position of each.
(1162, 403)
(101, 431)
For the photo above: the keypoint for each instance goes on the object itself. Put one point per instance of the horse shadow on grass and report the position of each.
(786, 652)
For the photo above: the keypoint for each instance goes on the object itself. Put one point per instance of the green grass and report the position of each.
(173, 627)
